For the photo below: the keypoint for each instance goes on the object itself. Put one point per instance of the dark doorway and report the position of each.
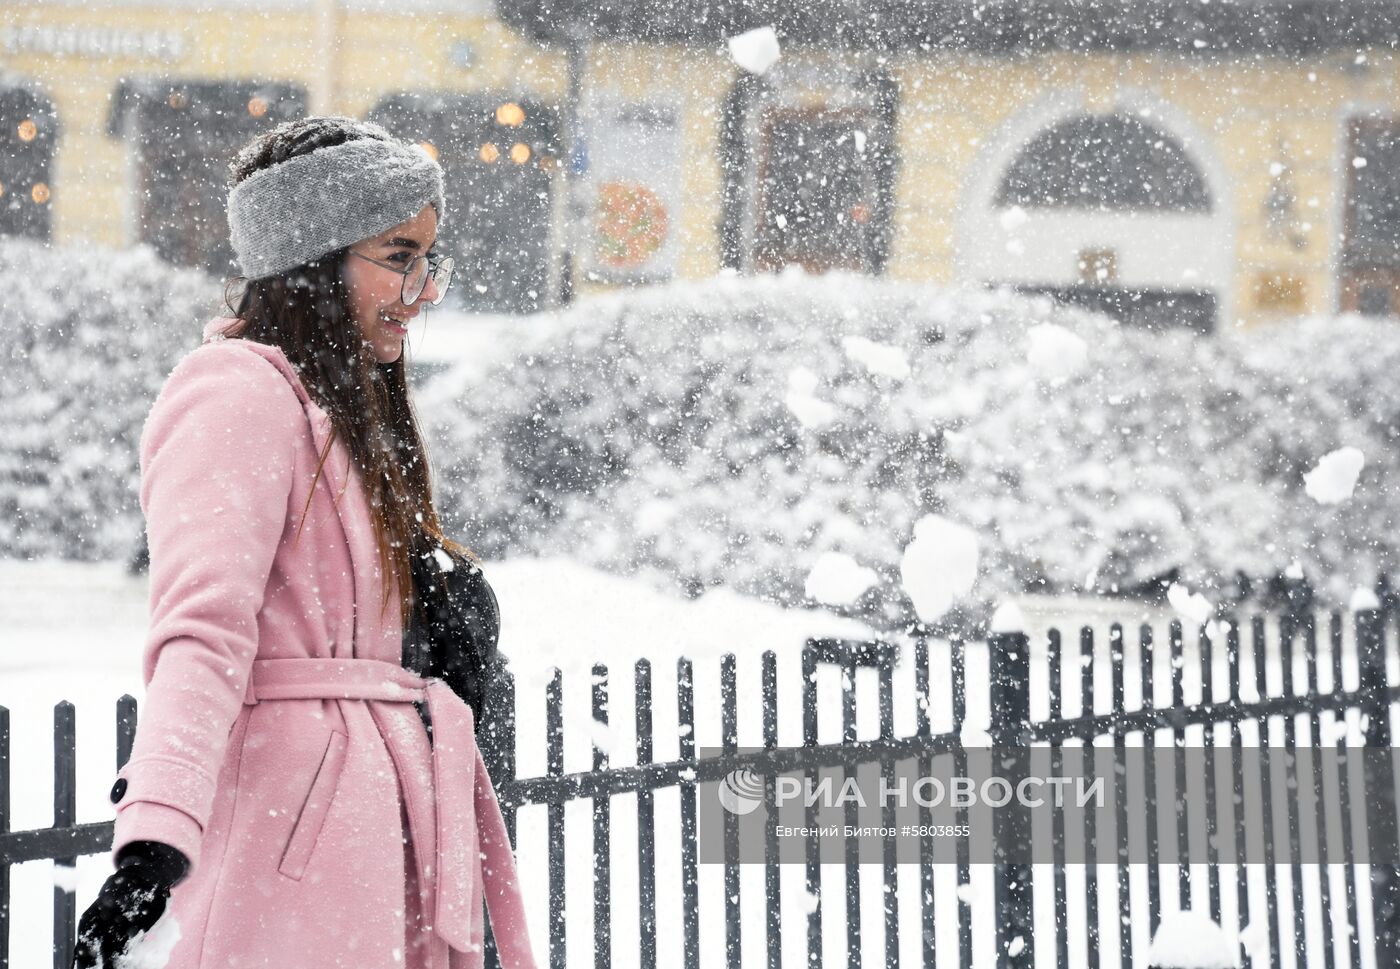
(815, 192)
(1370, 263)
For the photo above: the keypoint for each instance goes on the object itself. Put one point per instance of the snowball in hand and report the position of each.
(151, 949)
(838, 580)
(1334, 478)
(1055, 353)
(755, 50)
(938, 566)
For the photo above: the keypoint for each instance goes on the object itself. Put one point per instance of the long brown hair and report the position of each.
(305, 312)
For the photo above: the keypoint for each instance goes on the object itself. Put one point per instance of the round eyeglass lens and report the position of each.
(414, 280)
(442, 278)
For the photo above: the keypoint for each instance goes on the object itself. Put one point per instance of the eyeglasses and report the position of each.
(415, 277)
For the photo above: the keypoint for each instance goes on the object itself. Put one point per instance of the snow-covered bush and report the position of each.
(89, 336)
(733, 431)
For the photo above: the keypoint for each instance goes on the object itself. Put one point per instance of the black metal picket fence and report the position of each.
(1095, 918)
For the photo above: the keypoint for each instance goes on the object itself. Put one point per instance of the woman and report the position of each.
(283, 799)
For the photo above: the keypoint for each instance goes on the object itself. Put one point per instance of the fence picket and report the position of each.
(729, 727)
(772, 882)
(690, 887)
(1237, 811)
(1054, 663)
(4, 830)
(924, 728)
(1293, 792)
(1181, 815)
(1261, 690)
(1123, 888)
(602, 831)
(1336, 632)
(815, 902)
(958, 679)
(554, 767)
(852, 845)
(1087, 660)
(1206, 658)
(891, 872)
(1313, 742)
(1147, 670)
(646, 821)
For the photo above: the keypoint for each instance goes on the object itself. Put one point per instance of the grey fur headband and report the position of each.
(289, 214)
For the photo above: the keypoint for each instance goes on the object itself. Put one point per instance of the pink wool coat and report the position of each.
(277, 745)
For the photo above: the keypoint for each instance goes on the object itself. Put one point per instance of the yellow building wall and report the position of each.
(951, 106)
(89, 188)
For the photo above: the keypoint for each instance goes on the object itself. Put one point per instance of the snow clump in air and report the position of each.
(755, 50)
(1334, 478)
(1055, 353)
(809, 409)
(838, 580)
(1189, 605)
(877, 358)
(939, 566)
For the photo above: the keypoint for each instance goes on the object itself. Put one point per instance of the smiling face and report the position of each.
(376, 293)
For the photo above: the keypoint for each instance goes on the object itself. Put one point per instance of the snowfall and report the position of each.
(74, 629)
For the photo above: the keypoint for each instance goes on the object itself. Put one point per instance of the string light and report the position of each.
(430, 148)
(257, 107)
(520, 153)
(39, 193)
(510, 114)
(489, 153)
(28, 130)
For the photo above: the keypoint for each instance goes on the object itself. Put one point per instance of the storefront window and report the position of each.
(182, 137)
(28, 130)
(499, 154)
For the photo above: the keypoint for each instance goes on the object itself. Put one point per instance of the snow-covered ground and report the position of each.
(72, 631)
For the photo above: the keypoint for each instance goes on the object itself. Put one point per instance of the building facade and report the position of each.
(1176, 166)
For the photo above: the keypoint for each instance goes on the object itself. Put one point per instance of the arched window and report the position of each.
(28, 132)
(1112, 162)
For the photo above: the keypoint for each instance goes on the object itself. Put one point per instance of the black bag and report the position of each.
(455, 628)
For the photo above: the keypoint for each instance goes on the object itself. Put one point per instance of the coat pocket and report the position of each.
(317, 806)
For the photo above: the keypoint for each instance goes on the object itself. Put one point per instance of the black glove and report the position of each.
(455, 628)
(130, 901)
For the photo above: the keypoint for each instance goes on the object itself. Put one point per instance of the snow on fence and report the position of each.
(1300, 683)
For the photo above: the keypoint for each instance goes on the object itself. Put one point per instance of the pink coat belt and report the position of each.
(469, 822)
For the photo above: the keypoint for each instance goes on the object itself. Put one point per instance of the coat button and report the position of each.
(118, 789)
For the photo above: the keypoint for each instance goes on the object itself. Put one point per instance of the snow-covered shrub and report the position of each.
(732, 431)
(89, 336)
